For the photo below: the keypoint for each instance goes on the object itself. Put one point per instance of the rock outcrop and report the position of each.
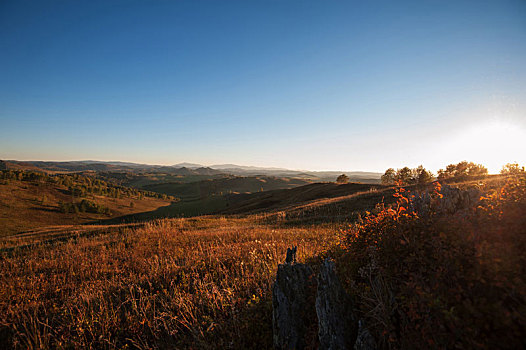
(364, 339)
(290, 294)
(337, 325)
(453, 199)
(292, 298)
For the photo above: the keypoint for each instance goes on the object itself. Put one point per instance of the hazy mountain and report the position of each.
(188, 165)
(91, 165)
(117, 163)
(244, 167)
(357, 176)
(193, 169)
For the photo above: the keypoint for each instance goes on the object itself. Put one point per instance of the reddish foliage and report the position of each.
(443, 280)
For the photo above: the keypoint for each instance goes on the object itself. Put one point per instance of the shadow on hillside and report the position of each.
(317, 201)
(49, 210)
(159, 213)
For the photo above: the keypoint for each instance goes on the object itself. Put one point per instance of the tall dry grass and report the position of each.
(183, 283)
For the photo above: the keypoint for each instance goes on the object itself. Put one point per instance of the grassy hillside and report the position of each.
(30, 200)
(292, 198)
(140, 180)
(309, 203)
(14, 165)
(211, 196)
(222, 186)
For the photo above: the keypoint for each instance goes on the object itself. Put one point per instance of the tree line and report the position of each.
(407, 176)
(461, 171)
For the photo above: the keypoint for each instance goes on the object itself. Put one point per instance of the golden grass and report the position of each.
(192, 283)
(26, 205)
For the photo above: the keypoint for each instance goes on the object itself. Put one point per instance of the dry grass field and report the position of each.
(188, 283)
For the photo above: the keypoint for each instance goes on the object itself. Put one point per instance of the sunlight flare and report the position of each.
(493, 144)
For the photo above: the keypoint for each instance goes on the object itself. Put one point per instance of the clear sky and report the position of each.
(350, 85)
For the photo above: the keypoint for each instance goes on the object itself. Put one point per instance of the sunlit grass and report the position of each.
(201, 283)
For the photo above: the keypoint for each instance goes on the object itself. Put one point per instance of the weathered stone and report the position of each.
(291, 255)
(336, 321)
(421, 204)
(338, 326)
(289, 301)
(453, 200)
(364, 340)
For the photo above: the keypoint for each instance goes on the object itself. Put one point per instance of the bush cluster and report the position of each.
(443, 280)
(84, 206)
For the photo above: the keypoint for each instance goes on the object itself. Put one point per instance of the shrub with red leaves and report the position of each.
(443, 279)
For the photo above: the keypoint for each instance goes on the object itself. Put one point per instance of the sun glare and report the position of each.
(492, 144)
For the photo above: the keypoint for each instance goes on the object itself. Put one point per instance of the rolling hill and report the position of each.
(311, 202)
(222, 186)
(308, 203)
(34, 202)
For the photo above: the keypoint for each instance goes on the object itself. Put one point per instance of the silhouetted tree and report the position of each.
(422, 175)
(462, 170)
(512, 169)
(476, 169)
(404, 176)
(388, 178)
(407, 176)
(342, 179)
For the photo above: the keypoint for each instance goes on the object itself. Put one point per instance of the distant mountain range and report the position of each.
(91, 165)
(270, 171)
(186, 169)
(188, 165)
(229, 166)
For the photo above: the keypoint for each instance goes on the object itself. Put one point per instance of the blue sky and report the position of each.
(350, 85)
